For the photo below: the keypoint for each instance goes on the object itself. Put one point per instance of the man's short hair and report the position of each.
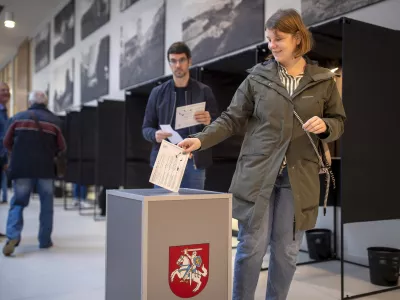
(38, 97)
(179, 48)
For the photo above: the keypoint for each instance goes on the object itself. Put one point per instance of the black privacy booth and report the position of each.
(81, 128)
(137, 158)
(364, 160)
(366, 168)
(72, 138)
(224, 76)
(109, 171)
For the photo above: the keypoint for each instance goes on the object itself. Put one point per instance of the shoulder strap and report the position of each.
(325, 167)
(321, 162)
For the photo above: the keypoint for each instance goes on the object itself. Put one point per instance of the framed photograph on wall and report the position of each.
(63, 85)
(142, 40)
(95, 13)
(95, 72)
(64, 29)
(125, 4)
(42, 48)
(213, 28)
(316, 11)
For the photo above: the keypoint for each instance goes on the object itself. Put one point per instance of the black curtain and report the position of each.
(110, 142)
(224, 86)
(72, 138)
(88, 131)
(137, 148)
(72, 128)
(369, 145)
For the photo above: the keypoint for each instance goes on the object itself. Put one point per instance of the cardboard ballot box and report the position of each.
(165, 245)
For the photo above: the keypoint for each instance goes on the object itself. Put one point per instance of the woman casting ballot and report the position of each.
(276, 184)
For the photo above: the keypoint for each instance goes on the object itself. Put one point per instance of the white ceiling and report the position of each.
(28, 15)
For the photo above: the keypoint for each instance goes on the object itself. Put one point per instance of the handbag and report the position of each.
(60, 160)
(325, 162)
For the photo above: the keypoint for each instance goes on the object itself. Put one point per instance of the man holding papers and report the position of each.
(177, 108)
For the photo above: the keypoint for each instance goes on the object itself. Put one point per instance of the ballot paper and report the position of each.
(185, 115)
(175, 138)
(169, 167)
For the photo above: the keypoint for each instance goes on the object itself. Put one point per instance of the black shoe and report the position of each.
(2, 235)
(3, 202)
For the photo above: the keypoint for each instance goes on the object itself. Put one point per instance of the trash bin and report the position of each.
(319, 244)
(384, 265)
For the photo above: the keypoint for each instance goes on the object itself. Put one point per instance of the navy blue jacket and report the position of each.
(161, 108)
(3, 127)
(33, 152)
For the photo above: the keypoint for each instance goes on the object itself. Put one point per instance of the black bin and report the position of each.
(384, 265)
(319, 244)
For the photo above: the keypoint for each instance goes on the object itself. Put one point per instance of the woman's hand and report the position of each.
(190, 144)
(315, 125)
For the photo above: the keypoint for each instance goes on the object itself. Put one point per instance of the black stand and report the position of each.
(342, 261)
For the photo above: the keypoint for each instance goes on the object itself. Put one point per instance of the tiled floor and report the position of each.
(74, 268)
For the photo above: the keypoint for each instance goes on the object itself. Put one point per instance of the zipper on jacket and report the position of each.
(173, 110)
(190, 132)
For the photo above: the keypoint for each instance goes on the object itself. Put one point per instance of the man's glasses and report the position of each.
(181, 61)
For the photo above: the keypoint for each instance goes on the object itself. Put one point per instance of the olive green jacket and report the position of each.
(263, 109)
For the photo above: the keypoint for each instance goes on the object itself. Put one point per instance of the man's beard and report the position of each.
(179, 74)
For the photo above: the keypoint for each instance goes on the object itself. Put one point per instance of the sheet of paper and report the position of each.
(175, 138)
(169, 167)
(185, 115)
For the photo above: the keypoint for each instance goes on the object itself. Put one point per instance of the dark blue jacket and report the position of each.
(161, 108)
(3, 127)
(33, 152)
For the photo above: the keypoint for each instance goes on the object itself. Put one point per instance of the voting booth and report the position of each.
(166, 245)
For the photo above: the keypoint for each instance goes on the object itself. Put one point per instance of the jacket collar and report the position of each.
(189, 85)
(38, 106)
(269, 70)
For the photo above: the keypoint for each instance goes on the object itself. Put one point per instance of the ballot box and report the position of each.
(168, 245)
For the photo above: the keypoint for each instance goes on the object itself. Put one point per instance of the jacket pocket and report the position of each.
(249, 176)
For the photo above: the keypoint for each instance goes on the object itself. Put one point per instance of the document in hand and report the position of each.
(185, 115)
(175, 138)
(169, 167)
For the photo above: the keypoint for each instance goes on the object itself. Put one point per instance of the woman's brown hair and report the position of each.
(289, 21)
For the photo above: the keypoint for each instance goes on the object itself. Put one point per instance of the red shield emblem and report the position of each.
(188, 269)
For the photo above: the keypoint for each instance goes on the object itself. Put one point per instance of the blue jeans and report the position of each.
(79, 192)
(20, 200)
(276, 231)
(192, 178)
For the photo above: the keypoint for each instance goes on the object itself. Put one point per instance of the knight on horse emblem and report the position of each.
(191, 267)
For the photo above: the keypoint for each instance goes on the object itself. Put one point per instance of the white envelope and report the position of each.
(185, 115)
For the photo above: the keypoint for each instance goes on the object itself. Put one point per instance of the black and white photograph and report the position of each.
(316, 11)
(95, 13)
(64, 29)
(63, 86)
(95, 70)
(142, 44)
(125, 4)
(42, 48)
(213, 28)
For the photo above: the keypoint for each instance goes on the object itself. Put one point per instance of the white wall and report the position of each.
(357, 236)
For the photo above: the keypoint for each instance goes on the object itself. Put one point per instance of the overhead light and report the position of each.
(334, 70)
(9, 20)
